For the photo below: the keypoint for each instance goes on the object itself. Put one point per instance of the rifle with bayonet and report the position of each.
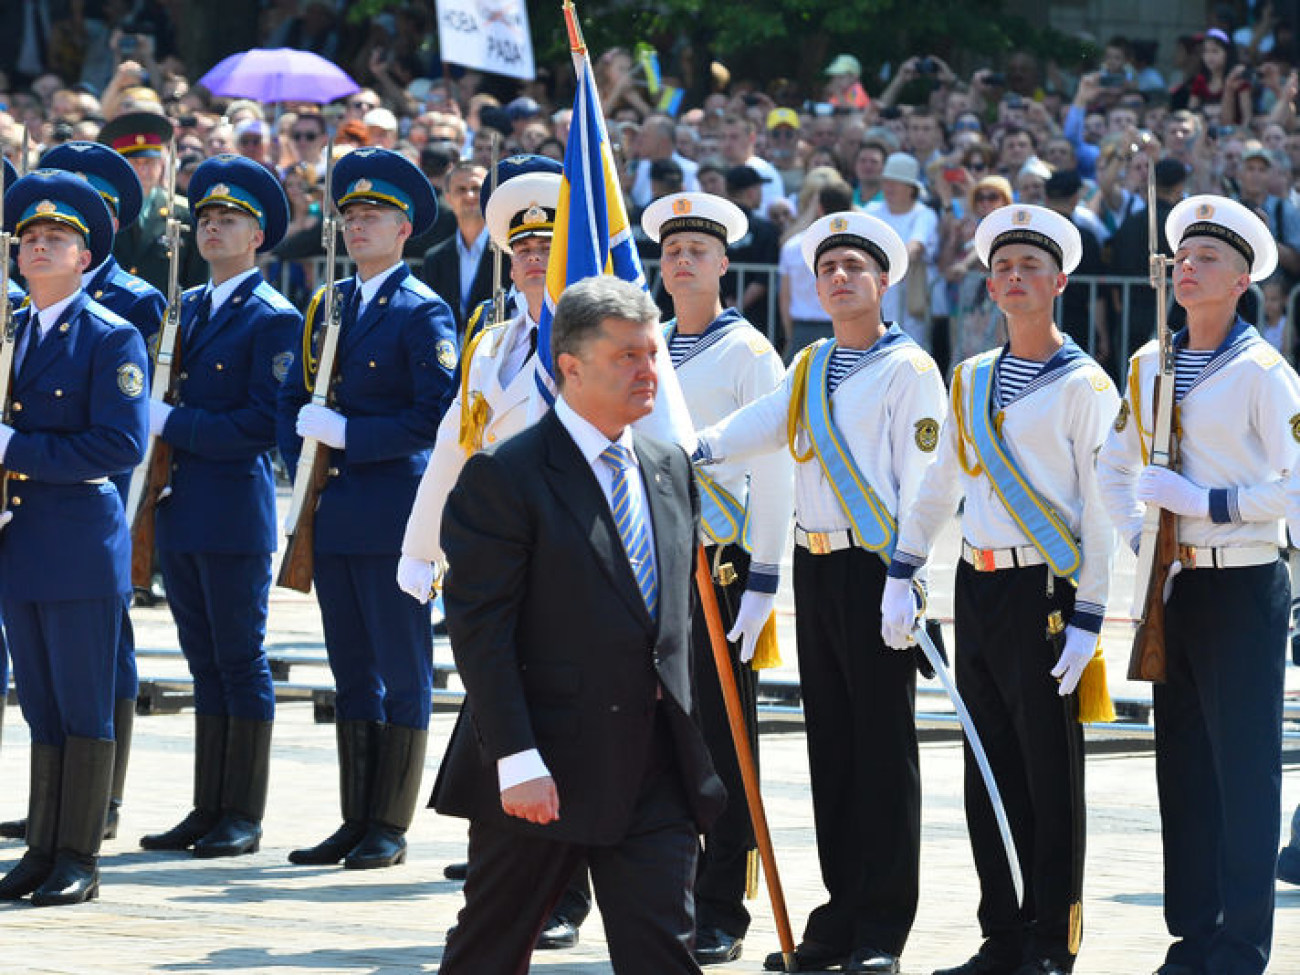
(498, 290)
(151, 480)
(313, 463)
(1159, 545)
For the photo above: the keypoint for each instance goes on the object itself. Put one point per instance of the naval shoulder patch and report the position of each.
(1121, 419)
(758, 345)
(446, 353)
(921, 362)
(1100, 381)
(130, 380)
(1265, 355)
(280, 364)
(927, 434)
(1295, 428)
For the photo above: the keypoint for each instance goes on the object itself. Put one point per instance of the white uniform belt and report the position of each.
(823, 543)
(993, 559)
(1234, 557)
(15, 476)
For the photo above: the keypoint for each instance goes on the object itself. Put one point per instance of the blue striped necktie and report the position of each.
(632, 527)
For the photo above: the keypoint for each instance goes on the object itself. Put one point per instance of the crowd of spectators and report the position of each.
(930, 151)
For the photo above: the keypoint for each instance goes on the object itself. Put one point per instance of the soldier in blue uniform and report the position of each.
(16, 296)
(143, 305)
(217, 526)
(79, 415)
(396, 356)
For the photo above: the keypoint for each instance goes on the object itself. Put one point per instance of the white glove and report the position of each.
(5, 518)
(1175, 567)
(158, 413)
(898, 614)
(415, 578)
(6, 434)
(755, 608)
(1173, 492)
(323, 424)
(1080, 645)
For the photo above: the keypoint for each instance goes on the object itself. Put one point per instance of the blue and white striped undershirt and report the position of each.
(843, 362)
(1188, 366)
(1014, 374)
(680, 347)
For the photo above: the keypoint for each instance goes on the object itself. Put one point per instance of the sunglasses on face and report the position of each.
(362, 106)
(988, 197)
(977, 166)
(304, 136)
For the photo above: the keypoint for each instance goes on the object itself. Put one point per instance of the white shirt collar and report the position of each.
(371, 286)
(48, 317)
(591, 442)
(219, 293)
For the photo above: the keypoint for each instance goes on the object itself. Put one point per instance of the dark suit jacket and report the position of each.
(441, 272)
(553, 640)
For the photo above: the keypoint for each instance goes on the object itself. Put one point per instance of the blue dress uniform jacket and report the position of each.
(393, 382)
(223, 429)
(131, 297)
(81, 414)
(136, 300)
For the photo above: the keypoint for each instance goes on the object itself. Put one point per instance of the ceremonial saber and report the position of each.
(745, 755)
(981, 759)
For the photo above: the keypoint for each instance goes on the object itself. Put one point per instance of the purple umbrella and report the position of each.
(280, 75)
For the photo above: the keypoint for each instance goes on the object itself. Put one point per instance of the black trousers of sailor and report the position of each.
(720, 877)
(1004, 664)
(1219, 763)
(859, 701)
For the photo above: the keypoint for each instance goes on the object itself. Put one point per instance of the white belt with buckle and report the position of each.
(823, 543)
(1231, 557)
(993, 559)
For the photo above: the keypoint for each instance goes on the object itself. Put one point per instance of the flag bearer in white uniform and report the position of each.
(1219, 713)
(722, 364)
(1020, 446)
(860, 413)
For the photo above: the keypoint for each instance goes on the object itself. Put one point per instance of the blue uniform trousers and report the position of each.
(63, 653)
(379, 641)
(219, 602)
(126, 682)
(1219, 763)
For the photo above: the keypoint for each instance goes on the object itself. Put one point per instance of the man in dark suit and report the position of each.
(577, 738)
(459, 269)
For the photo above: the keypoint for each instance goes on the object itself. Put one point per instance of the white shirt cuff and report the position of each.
(6, 434)
(519, 768)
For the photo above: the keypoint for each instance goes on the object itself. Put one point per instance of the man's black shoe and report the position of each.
(1042, 966)
(558, 932)
(713, 946)
(873, 961)
(809, 956)
(982, 964)
(456, 871)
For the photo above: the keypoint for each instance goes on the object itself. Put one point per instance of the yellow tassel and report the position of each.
(1094, 695)
(766, 652)
(798, 387)
(751, 875)
(473, 421)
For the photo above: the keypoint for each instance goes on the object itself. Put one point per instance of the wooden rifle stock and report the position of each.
(1159, 543)
(149, 481)
(299, 548)
(312, 472)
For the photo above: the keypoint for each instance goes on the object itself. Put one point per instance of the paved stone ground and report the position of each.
(169, 913)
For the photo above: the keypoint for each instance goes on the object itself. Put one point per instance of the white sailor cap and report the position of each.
(1228, 221)
(701, 213)
(1022, 223)
(854, 229)
(523, 206)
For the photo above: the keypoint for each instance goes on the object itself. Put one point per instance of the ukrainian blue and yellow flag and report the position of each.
(592, 235)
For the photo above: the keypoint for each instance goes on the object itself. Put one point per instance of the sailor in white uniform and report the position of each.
(860, 413)
(1026, 423)
(723, 363)
(1218, 714)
